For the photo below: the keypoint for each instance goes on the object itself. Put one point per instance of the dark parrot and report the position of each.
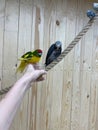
(90, 14)
(53, 52)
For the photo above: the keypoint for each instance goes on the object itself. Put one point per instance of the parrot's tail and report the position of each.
(21, 67)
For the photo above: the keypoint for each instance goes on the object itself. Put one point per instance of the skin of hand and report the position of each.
(33, 74)
(12, 100)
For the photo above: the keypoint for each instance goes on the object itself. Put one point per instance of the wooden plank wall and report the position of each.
(68, 98)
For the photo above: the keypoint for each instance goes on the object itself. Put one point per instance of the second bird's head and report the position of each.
(58, 45)
(38, 52)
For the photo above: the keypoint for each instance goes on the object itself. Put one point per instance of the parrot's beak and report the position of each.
(58, 47)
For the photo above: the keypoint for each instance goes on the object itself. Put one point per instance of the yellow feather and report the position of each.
(22, 66)
(24, 63)
(34, 59)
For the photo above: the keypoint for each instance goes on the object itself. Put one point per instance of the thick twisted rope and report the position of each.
(65, 52)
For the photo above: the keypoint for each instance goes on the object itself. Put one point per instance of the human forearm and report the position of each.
(11, 102)
(13, 99)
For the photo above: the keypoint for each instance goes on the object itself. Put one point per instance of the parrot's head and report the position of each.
(58, 45)
(89, 12)
(38, 52)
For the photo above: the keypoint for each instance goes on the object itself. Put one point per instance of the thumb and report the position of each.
(30, 68)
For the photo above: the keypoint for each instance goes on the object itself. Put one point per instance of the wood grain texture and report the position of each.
(68, 98)
(2, 24)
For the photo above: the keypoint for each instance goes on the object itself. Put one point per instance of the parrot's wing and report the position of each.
(24, 59)
(60, 50)
(27, 56)
(51, 49)
(51, 58)
(53, 55)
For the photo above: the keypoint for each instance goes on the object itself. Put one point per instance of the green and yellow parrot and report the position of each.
(31, 57)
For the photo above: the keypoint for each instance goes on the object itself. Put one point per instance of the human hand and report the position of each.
(33, 74)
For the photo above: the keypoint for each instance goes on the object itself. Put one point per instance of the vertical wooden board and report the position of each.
(2, 18)
(93, 102)
(76, 91)
(51, 118)
(41, 30)
(95, 48)
(76, 99)
(85, 81)
(41, 107)
(10, 43)
(24, 45)
(70, 31)
(93, 118)
(9, 59)
(37, 21)
(38, 27)
(49, 24)
(88, 51)
(61, 22)
(86, 68)
(32, 111)
(70, 15)
(79, 48)
(56, 95)
(56, 90)
(33, 25)
(32, 102)
(25, 22)
(66, 100)
(11, 15)
(49, 38)
(96, 121)
(39, 3)
(37, 24)
(88, 43)
(49, 99)
(52, 32)
(37, 39)
(37, 42)
(39, 116)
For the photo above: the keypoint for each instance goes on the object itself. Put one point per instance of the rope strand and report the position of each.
(65, 52)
